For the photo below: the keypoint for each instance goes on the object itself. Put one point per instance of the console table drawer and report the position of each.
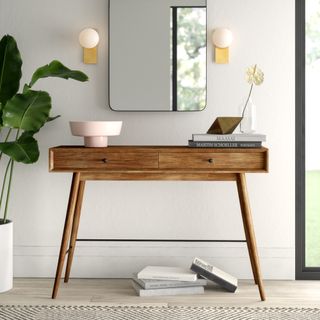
(247, 161)
(90, 160)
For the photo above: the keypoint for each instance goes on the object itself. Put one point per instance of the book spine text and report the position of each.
(211, 144)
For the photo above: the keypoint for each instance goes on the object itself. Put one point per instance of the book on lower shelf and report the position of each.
(166, 291)
(167, 273)
(165, 281)
(208, 271)
(160, 284)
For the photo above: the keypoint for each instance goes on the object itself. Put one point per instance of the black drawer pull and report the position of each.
(105, 160)
(210, 160)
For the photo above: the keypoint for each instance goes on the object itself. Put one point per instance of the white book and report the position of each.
(247, 137)
(166, 291)
(167, 273)
(160, 284)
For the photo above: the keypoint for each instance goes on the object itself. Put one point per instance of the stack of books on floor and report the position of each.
(234, 140)
(164, 281)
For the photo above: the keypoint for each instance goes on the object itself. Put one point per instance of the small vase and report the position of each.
(248, 123)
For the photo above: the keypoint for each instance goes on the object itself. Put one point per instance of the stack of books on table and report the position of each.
(164, 281)
(235, 140)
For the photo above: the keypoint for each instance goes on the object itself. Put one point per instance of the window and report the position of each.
(307, 139)
(189, 56)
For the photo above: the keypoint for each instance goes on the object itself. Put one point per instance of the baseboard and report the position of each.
(119, 260)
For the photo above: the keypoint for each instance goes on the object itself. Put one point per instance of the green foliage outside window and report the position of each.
(313, 32)
(191, 64)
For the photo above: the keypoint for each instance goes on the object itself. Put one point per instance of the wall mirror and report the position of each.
(157, 55)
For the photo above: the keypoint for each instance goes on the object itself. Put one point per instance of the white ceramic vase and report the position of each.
(6, 256)
(248, 123)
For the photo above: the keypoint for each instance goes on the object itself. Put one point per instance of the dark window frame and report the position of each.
(174, 58)
(113, 108)
(302, 272)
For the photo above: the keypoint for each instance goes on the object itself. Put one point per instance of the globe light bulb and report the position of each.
(88, 38)
(222, 37)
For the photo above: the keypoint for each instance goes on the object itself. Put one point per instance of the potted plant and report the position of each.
(22, 115)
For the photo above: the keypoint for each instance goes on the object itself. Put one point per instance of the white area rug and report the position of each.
(154, 313)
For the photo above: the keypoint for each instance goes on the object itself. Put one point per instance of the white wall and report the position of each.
(264, 34)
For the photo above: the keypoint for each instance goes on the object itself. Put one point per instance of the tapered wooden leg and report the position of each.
(253, 267)
(74, 232)
(249, 231)
(66, 231)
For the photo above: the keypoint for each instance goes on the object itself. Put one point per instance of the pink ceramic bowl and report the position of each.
(95, 133)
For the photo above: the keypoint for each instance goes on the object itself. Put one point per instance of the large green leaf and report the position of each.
(57, 69)
(24, 150)
(10, 69)
(28, 111)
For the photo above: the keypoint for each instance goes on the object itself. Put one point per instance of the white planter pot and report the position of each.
(6, 256)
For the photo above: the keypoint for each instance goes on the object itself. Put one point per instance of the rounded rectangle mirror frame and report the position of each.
(168, 108)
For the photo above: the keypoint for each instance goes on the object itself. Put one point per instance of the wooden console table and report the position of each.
(154, 163)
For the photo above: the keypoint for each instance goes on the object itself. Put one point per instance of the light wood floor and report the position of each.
(119, 291)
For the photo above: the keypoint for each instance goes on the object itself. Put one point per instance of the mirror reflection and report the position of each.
(157, 55)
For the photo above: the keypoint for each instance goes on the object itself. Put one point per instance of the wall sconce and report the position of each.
(89, 39)
(222, 39)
